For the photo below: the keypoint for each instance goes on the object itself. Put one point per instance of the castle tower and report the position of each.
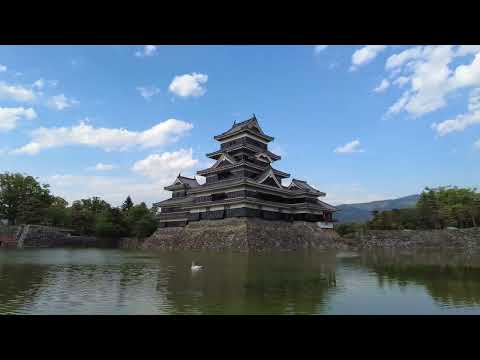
(243, 183)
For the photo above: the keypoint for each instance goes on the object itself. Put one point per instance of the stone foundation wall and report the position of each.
(129, 243)
(41, 236)
(458, 238)
(38, 236)
(242, 234)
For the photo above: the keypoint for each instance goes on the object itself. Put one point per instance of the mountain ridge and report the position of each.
(362, 212)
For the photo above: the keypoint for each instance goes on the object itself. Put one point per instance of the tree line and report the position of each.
(438, 208)
(23, 200)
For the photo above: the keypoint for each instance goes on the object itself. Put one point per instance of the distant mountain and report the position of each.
(363, 211)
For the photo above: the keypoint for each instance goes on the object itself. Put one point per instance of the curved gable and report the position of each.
(264, 157)
(269, 178)
(223, 160)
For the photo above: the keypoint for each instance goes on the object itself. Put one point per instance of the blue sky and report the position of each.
(361, 123)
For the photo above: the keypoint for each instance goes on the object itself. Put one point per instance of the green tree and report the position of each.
(349, 228)
(58, 214)
(141, 221)
(83, 218)
(429, 209)
(95, 205)
(474, 210)
(23, 199)
(112, 224)
(437, 208)
(127, 204)
(105, 228)
(447, 216)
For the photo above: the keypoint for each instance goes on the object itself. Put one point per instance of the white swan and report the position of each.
(196, 267)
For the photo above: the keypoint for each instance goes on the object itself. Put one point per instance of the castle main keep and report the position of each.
(243, 183)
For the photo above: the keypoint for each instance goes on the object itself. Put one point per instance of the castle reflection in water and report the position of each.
(89, 281)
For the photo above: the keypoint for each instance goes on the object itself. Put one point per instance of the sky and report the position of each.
(360, 123)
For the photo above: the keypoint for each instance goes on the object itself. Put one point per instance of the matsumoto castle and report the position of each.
(243, 183)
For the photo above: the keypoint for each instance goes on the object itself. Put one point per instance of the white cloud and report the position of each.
(476, 145)
(188, 85)
(166, 166)
(365, 55)
(16, 92)
(103, 167)
(319, 48)
(3, 68)
(397, 60)
(113, 189)
(148, 91)
(34, 93)
(459, 123)
(467, 75)
(351, 147)
(61, 102)
(468, 49)
(398, 105)
(401, 81)
(39, 84)
(10, 116)
(462, 121)
(160, 169)
(429, 82)
(382, 86)
(148, 50)
(108, 139)
(428, 71)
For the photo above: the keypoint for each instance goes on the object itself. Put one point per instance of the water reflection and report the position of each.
(18, 286)
(451, 278)
(254, 284)
(101, 281)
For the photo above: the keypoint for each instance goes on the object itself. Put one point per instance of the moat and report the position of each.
(112, 281)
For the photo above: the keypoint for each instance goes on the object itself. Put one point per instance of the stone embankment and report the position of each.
(38, 236)
(243, 234)
(445, 238)
(258, 234)
(129, 243)
(247, 234)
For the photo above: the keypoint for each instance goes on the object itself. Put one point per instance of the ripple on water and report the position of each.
(95, 281)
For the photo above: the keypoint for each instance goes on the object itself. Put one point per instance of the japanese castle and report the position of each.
(243, 183)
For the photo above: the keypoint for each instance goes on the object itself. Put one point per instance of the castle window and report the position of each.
(219, 196)
(224, 175)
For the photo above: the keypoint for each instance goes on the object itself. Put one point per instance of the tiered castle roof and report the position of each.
(242, 177)
(183, 182)
(248, 126)
(266, 174)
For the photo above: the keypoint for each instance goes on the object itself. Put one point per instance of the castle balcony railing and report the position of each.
(243, 141)
(173, 215)
(251, 147)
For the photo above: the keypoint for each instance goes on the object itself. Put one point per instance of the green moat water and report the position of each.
(105, 281)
